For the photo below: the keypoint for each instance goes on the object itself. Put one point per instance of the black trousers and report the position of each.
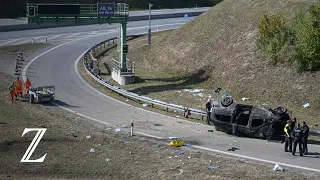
(305, 145)
(295, 143)
(208, 116)
(288, 143)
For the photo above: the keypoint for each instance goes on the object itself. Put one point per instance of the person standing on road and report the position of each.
(18, 87)
(27, 85)
(13, 95)
(305, 135)
(208, 108)
(297, 134)
(288, 139)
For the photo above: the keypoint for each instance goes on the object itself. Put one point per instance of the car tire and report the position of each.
(281, 110)
(227, 101)
(216, 128)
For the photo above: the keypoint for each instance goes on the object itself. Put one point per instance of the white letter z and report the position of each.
(33, 145)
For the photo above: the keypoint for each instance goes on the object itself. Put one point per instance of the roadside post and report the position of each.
(149, 31)
(131, 127)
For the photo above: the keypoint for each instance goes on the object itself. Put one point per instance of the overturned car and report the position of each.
(247, 120)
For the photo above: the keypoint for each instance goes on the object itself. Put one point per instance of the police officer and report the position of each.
(208, 108)
(297, 134)
(305, 135)
(288, 140)
(293, 123)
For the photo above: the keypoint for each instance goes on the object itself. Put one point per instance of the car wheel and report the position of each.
(281, 110)
(216, 128)
(227, 101)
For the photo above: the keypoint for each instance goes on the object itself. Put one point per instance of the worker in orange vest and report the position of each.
(18, 87)
(27, 86)
(13, 94)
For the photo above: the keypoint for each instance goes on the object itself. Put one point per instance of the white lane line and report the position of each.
(50, 38)
(29, 40)
(75, 34)
(177, 20)
(194, 146)
(8, 42)
(42, 32)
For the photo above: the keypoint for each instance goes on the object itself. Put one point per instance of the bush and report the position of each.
(308, 39)
(275, 39)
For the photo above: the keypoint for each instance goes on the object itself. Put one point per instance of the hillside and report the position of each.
(221, 43)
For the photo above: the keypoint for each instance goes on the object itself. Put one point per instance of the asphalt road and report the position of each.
(20, 21)
(58, 67)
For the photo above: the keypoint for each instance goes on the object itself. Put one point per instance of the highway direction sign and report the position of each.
(105, 10)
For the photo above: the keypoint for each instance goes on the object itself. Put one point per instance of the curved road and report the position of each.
(57, 67)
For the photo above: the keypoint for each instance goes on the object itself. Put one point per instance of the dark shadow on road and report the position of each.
(192, 79)
(59, 103)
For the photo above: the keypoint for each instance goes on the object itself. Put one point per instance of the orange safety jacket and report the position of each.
(27, 84)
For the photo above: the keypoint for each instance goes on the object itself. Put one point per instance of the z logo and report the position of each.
(33, 145)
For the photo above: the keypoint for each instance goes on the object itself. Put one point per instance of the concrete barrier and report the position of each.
(131, 18)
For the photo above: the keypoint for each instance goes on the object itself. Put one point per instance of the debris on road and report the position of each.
(244, 99)
(107, 159)
(277, 167)
(306, 105)
(217, 91)
(198, 124)
(210, 130)
(224, 95)
(118, 130)
(127, 100)
(181, 154)
(144, 105)
(177, 116)
(213, 167)
(177, 143)
(123, 126)
(91, 150)
(173, 137)
(193, 91)
(181, 171)
(157, 124)
(212, 135)
(107, 129)
(233, 149)
(88, 137)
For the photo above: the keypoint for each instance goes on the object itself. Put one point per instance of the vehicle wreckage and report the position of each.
(247, 120)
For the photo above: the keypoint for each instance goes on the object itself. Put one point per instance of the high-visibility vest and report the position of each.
(11, 88)
(27, 84)
(18, 82)
(285, 127)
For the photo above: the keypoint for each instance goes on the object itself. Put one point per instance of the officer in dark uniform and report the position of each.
(297, 134)
(305, 135)
(288, 139)
(208, 108)
(293, 124)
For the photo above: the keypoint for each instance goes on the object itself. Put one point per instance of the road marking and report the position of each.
(148, 135)
(50, 38)
(8, 42)
(72, 35)
(28, 40)
(42, 32)
(177, 20)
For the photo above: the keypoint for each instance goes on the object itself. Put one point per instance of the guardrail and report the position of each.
(186, 110)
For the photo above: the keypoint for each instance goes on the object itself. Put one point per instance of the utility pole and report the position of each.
(149, 32)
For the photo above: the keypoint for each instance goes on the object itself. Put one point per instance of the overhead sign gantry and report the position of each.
(80, 14)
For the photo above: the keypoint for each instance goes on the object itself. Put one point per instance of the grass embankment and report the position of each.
(218, 49)
(116, 155)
